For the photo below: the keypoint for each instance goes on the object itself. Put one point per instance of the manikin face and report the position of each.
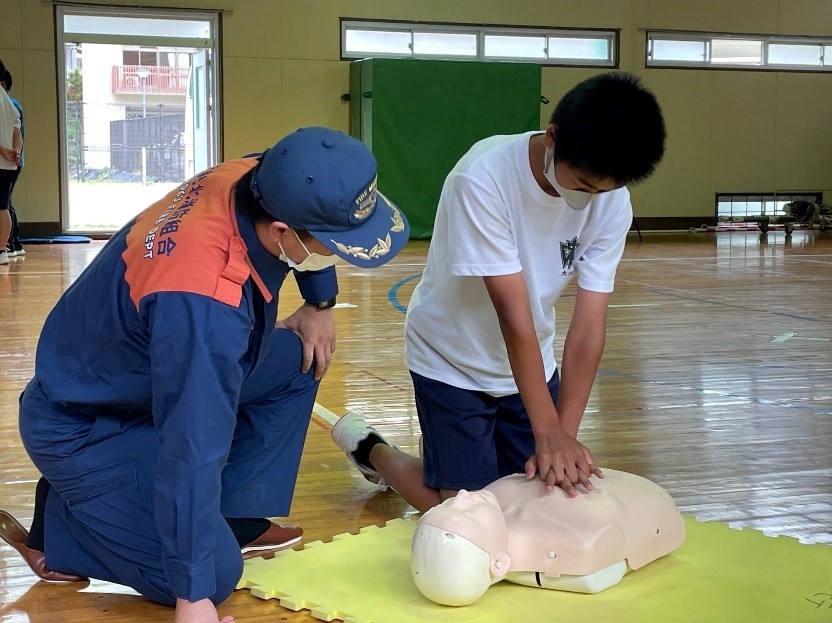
(459, 548)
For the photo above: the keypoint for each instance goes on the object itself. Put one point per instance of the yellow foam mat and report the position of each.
(720, 575)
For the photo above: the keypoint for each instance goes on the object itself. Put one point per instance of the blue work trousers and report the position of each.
(99, 519)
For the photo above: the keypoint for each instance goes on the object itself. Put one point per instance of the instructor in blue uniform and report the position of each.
(168, 413)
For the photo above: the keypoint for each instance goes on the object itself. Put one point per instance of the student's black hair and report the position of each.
(2, 68)
(7, 78)
(610, 126)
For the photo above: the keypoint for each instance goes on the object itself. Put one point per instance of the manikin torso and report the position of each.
(625, 517)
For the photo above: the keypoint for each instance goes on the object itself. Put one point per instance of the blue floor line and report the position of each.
(393, 293)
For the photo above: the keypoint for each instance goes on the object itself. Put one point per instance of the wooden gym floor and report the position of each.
(716, 383)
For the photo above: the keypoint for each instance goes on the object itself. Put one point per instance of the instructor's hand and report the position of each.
(316, 328)
(562, 461)
(202, 611)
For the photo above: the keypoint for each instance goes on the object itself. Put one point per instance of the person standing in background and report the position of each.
(11, 144)
(13, 247)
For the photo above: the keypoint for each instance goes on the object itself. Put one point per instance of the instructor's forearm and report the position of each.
(17, 140)
(581, 357)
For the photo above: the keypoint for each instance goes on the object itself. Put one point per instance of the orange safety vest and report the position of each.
(189, 241)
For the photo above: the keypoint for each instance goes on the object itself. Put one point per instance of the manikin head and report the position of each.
(459, 549)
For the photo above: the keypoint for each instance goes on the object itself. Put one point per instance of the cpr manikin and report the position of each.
(514, 530)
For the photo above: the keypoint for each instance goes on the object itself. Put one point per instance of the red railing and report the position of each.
(127, 80)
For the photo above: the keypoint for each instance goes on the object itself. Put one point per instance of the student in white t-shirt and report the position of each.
(519, 216)
(11, 144)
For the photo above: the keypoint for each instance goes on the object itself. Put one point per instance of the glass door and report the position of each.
(139, 113)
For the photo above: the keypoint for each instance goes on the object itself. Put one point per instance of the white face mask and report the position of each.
(575, 199)
(313, 261)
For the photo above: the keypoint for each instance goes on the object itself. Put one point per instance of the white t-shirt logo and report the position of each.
(567, 255)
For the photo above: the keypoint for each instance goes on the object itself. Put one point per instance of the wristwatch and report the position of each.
(322, 304)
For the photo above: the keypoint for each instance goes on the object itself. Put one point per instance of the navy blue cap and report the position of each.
(323, 181)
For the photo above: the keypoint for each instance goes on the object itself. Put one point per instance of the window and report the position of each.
(444, 44)
(547, 46)
(87, 24)
(687, 51)
(156, 57)
(764, 52)
(511, 46)
(148, 58)
(363, 42)
(578, 48)
(794, 54)
(736, 52)
(740, 205)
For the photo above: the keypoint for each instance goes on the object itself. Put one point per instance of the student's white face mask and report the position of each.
(313, 261)
(575, 199)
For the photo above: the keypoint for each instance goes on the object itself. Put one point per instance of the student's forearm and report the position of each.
(17, 140)
(581, 356)
(511, 302)
(530, 376)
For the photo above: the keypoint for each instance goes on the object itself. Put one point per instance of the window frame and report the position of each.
(612, 35)
(824, 66)
(765, 197)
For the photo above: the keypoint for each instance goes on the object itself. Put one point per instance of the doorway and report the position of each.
(139, 108)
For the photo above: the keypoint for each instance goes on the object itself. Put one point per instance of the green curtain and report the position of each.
(420, 116)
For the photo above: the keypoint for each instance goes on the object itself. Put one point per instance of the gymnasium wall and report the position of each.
(729, 131)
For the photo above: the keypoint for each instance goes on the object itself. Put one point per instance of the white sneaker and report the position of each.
(348, 432)
(11, 252)
(4, 257)
(20, 251)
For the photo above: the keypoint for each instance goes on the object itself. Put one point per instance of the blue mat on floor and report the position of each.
(56, 240)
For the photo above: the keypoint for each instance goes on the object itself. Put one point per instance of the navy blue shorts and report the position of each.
(471, 438)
